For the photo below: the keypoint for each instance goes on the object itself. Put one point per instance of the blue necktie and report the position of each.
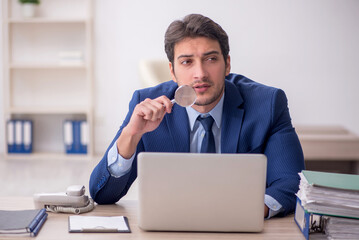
(208, 145)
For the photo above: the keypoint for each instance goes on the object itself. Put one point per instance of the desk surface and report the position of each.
(56, 226)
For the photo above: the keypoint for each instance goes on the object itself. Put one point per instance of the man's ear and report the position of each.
(228, 65)
(172, 71)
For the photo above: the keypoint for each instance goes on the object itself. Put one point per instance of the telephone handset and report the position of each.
(73, 200)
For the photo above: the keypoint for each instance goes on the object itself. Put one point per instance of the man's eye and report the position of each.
(186, 62)
(212, 59)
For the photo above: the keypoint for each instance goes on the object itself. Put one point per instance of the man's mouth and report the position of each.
(201, 88)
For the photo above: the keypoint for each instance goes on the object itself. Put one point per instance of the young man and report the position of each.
(248, 118)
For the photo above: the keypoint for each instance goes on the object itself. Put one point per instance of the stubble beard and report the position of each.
(214, 97)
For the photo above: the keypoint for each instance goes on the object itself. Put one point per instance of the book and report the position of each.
(22, 222)
(81, 224)
(330, 193)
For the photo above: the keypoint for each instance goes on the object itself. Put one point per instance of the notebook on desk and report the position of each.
(201, 192)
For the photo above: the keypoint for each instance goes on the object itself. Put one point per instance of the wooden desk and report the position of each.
(56, 226)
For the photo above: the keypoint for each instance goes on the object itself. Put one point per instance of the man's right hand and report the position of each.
(146, 117)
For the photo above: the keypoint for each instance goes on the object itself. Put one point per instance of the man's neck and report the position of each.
(207, 108)
(216, 113)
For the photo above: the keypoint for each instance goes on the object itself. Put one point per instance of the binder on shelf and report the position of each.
(10, 128)
(84, 136)
(68, 136)
(19, 136)
(76, 136)
(27, 136)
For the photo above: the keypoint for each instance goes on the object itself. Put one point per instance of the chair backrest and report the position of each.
(153, 72)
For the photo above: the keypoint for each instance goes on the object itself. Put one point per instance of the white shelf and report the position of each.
(48, 156)
(49, 110)
(48, 72)
(47, 20)
(48, 66)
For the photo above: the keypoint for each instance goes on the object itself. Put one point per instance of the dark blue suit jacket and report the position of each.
(255, 120)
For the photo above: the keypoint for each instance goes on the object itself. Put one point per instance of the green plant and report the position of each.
(30, 1)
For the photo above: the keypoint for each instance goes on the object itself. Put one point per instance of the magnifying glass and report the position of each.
(185, 96)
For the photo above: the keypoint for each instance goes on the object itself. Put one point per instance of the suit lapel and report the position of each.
(179, 131)
(231, 119)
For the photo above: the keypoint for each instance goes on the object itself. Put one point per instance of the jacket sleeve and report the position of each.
(107, 189)
(284, 155)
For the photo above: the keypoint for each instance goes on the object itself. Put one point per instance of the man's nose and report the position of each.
(200, 71)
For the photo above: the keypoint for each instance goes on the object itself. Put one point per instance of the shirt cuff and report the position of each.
(117, 165)
(274, 206)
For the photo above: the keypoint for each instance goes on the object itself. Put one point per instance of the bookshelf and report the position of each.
(48, 72)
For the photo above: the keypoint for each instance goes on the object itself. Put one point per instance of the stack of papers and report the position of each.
(22, 222)
(330, 193)
(333, 199)
(342, 228)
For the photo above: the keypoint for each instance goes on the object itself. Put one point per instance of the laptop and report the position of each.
(201, 192)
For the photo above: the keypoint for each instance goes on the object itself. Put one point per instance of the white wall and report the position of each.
(308, 48)
(1, 88)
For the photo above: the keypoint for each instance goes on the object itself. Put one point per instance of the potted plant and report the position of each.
(29, 7)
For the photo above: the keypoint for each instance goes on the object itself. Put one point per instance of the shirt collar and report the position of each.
(216, 113)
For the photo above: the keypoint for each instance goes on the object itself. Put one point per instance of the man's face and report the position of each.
(199, 62)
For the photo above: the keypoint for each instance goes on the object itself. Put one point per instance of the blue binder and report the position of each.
(308, 223)
(10, 128)
(19, 136)
(84, 139)
(27, 136)
(68, 136)
(76, 135)
(73, 137)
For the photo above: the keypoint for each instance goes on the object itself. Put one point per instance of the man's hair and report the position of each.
(195, 25)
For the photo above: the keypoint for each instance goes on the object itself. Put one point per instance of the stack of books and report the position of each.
(22, 222)
(328, 205)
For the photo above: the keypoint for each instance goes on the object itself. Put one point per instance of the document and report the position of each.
(78, 224)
